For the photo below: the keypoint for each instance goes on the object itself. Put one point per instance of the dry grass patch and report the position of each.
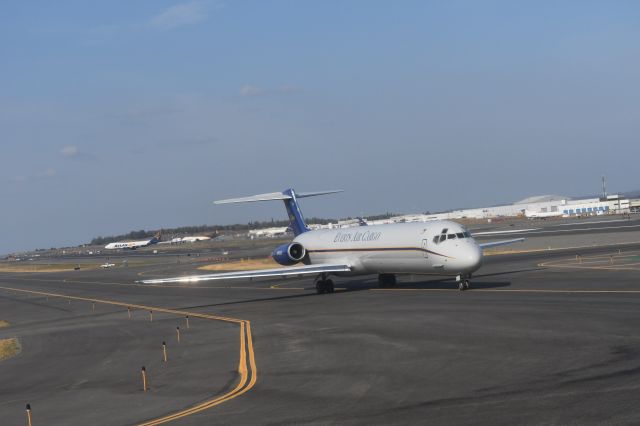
(9, 348)
(4, 324)
(243, 265)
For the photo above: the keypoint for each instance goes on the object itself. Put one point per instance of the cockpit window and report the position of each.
(444, 236)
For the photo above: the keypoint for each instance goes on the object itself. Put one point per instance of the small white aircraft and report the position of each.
(438, 247)
(107, 265)
(132, 245)
(541, 215)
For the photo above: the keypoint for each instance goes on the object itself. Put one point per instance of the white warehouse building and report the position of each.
(563, 206)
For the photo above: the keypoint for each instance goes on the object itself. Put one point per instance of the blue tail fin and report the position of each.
(294, 212)
(290, 198)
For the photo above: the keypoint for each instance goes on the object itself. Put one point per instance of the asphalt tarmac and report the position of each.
(541, 338)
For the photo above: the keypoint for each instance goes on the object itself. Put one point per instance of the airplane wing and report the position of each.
(500, 243)
(502, 232)
(278, 272)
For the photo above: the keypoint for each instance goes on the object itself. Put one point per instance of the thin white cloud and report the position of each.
(289, 89)
(180, 15)
(44, 174)
(18, 179)
(69, 151)
(47, 173)
(248, 90)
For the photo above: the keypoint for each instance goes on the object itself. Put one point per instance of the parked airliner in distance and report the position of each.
(184, 240)
(541, 215)
(438, 247)
(132, 245)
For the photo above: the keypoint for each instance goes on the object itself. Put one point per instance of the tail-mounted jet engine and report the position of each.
(289, 254)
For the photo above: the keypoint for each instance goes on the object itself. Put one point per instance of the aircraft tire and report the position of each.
(329, 286)
(386, 280)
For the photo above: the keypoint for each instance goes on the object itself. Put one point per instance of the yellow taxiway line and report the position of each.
(247, 365)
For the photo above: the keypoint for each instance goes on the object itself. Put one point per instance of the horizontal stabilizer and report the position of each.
(501, 243)
(260, 273)
(313, 194)
(273, 196)
(252, 198)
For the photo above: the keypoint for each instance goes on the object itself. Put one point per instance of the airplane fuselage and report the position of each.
(128, 245)
(437, 247)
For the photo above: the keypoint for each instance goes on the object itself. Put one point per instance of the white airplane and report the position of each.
(107, 265)
(195, 239)
(438, 247)
(541, 215)
(269, 232)
(182, 240)
(132, 245)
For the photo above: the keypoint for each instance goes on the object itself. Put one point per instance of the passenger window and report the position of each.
(460, 235)
(451, 236)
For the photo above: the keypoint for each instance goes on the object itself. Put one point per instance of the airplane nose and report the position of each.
(474, 258)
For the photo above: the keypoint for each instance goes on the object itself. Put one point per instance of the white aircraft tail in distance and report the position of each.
(133, 245)
(438, 247)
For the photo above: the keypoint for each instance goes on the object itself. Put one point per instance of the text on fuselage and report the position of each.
(345, 237)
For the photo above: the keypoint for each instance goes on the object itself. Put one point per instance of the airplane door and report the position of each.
(424, 248)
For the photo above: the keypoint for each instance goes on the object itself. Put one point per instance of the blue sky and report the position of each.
(117, 116)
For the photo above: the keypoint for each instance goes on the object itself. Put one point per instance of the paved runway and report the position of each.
(529, 344)
(560, 233)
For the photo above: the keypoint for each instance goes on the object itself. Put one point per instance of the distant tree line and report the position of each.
(214, 230)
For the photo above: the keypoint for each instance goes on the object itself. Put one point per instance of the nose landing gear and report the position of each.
(463, 282)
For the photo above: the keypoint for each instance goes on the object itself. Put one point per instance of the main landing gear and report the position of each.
(386, 280)
(463, 282)
(324, 285)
